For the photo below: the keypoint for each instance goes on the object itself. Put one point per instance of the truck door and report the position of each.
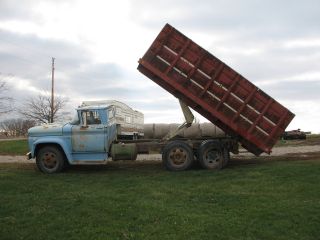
(89, 135)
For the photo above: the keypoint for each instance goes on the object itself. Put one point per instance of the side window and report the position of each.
(110, 113)
(92, 117)
(128, 119)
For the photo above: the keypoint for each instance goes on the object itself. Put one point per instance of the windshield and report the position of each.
(75, 120)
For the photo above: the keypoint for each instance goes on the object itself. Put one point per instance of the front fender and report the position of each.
(65, 146)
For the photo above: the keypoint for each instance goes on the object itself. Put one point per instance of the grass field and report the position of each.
(313, 139)
(269, 200)
(13, 147)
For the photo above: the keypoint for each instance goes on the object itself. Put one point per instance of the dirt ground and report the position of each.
(295, 151)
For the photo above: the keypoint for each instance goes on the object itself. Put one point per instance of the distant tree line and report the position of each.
(16, 127)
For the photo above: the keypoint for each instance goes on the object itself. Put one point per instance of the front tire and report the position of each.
(50, 159)
(177, 156)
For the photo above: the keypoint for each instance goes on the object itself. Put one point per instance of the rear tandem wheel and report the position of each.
(177, 156)
(211, 155)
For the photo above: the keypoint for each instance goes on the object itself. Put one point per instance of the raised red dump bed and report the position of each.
(215, 90)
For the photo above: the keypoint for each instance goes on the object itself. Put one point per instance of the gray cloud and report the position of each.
(236, 27)
(97, 73)
(270, 18)
(24, 9)
(28, 56)
(253, 37)
(305, 90)
(14, 9)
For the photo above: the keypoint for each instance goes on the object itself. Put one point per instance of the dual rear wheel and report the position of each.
(179, 156)
(211, 155)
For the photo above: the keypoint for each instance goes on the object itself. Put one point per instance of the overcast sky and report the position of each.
(274, 44)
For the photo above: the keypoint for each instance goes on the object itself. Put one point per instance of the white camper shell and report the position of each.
(130, 122)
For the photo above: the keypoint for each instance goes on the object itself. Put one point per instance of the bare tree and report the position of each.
(16, 127)
(39, 108)
(5, 100)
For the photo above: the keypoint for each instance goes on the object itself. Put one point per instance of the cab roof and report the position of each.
(93, 107)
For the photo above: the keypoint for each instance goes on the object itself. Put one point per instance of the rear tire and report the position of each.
(50, 159)
(210, 155)
(177, 156)
(226, 157)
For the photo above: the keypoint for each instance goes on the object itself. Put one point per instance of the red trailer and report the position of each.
(215, 90)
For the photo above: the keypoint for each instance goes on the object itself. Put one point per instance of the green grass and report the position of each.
(311, 136)
(269, 200)
(313, 139)
(13, 147)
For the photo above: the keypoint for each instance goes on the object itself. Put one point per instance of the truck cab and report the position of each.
(86, 139)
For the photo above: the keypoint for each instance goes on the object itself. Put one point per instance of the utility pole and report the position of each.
(52, 91)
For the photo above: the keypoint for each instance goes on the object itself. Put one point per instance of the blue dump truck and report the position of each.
(199, 80)
(94, 137)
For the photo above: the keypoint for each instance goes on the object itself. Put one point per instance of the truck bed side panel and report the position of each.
(215, 90)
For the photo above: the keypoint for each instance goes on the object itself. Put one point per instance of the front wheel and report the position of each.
(50, 159)
(177, 156)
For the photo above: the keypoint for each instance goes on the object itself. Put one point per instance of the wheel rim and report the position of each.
(49, 160)
(178, 156)
(212, 158)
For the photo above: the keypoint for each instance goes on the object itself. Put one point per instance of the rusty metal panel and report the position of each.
(215, 90)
